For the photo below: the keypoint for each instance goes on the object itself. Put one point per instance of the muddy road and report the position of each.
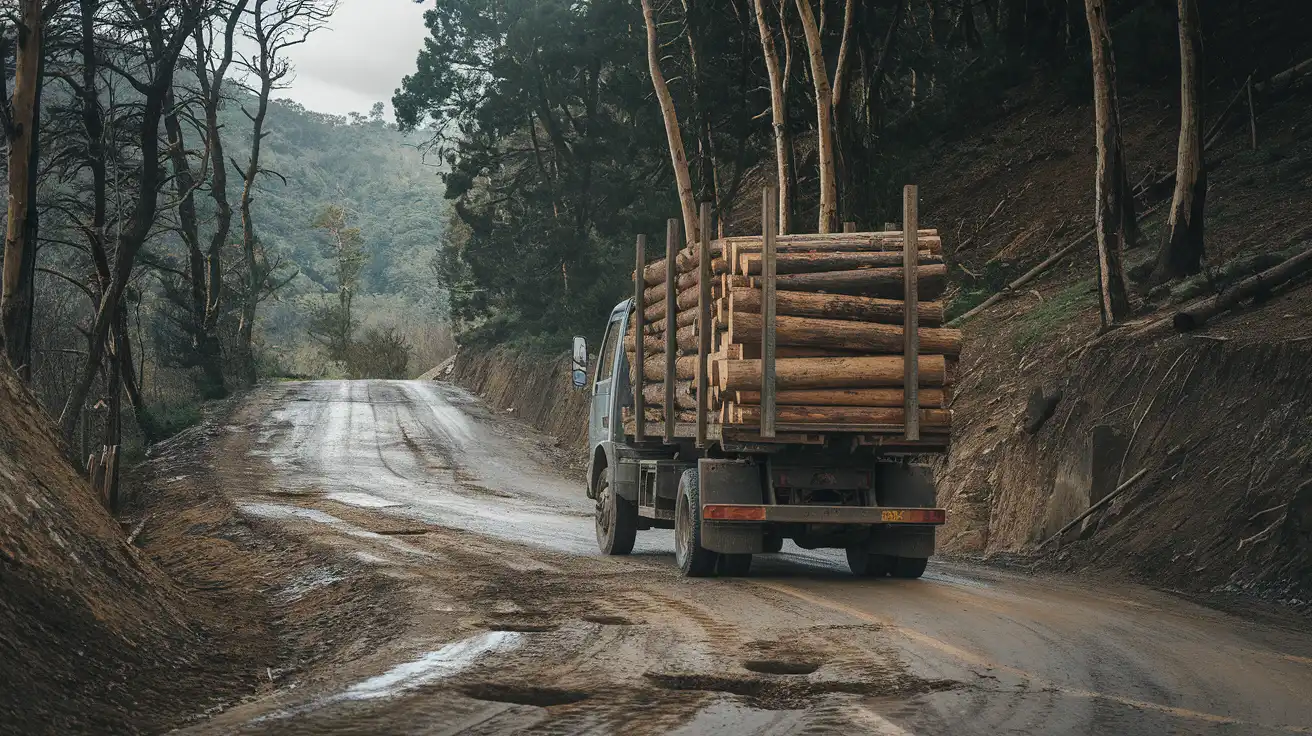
(510, 621)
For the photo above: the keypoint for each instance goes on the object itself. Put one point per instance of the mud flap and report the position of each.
(624, 476)
(731, 481)
(906, 485)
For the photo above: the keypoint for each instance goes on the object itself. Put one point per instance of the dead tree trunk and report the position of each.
(824, 112)
(778, 113)
(1113, 207)
(20, 238)
(1181, 253)
(678, 155)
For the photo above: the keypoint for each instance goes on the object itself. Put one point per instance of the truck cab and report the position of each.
(731, 498)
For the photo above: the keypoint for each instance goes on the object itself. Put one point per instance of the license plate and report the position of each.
(897, 515)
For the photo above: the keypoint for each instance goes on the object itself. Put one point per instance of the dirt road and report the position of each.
(511, 621)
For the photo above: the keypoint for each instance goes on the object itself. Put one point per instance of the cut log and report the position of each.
(834, 306)
(685, 339)
(929, 418)
(750, 263)
(654, 395)
(869, 337)
(832, 242)
(752, 351)
(684, 416)
(877, 282)
(1198, 313)
(685, 318)
(654, 298)
(930, 398)
(685, 367)
(860, 372)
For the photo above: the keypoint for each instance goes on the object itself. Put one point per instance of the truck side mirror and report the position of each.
(580, 368)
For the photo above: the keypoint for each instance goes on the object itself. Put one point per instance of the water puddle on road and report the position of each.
(443, 663)
(363, 500)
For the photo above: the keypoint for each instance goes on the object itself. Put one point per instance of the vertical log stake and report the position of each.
(703, 321)
(911, 313)
(671, 344)
(768, 219)
(640, 356)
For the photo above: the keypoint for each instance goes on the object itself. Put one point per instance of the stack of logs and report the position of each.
(839, 334)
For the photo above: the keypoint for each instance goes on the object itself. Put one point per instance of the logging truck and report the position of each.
(770, 388)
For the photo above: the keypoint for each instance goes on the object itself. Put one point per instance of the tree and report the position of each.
(824, 103)
(21, 122)
(778, 111)
(156, 37)
(1181, 252)
(335, 327)
(274, 26)
(674, 136)
(1114, 208)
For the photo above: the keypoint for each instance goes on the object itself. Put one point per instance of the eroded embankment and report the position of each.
(531, 387)
(1223, 429)
(95, 638)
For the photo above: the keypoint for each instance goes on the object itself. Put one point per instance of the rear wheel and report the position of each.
(616, 518)
(909, 568)
(694, 560)
(865, 565)
(734, 566)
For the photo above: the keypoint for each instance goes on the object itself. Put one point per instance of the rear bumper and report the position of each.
(757, 513)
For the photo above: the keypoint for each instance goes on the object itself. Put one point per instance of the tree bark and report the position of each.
(1114, 203)
(929, 418)
(824, 111)
(834, 306)
(253, 278)
(870, 337)
(807, 373)
(930, 398)
(778, 114)
(16, 284)
(874, 282)
(678, 155)
(1181, 253)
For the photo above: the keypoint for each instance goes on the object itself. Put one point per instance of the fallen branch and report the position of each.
(137, 529)
(1196, 314)
(1105, 500)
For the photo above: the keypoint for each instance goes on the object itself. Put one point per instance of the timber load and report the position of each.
(840, 338)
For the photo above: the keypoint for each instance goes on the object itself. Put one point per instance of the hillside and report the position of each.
(389, 191)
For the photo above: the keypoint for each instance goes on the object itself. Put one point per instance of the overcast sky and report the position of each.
(359, 58)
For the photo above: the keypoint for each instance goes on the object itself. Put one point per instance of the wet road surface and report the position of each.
(519, 624)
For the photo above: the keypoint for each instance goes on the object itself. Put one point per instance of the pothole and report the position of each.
(788, 694)
(781, 666)
(522, 626)
(605, 620)
(543, 697)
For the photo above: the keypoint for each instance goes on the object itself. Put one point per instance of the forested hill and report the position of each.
(378, 175)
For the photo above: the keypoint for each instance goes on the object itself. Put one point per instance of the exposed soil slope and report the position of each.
(94, 634)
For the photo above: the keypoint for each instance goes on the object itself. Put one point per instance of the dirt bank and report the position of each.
(532, 388)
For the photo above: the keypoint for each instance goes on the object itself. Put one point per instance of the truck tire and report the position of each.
(694, 560)
(865, 565)
(908, 568)
(734, 566)
(616, 518)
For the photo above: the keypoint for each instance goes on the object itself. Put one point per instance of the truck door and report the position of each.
(601, 425)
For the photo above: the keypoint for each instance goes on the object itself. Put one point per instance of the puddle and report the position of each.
(362, 500)
(280, 511)
(445, 662)
(543, 697)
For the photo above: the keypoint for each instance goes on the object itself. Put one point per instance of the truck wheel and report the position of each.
(909, 567)
(694, 560)
(773, 543)
(616, 518)
(865, 565)
(734, 566)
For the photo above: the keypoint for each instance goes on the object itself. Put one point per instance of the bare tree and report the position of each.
(1114, 213)
(678, 155)
(1181, 253)
(778, 111)
(21, 127)
(824, 117)
(157, 35)
(274, 26)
